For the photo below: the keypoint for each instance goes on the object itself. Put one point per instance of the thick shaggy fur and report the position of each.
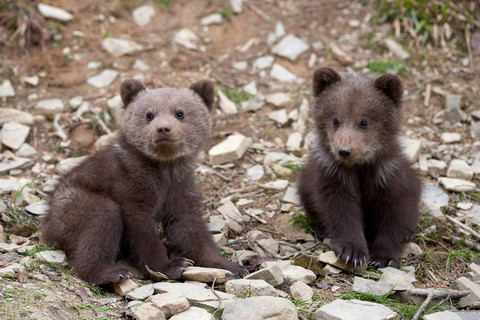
(358, 188)
(110, 205)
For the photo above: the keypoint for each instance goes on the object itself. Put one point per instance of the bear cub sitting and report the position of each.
(110, 205)
(357, 187)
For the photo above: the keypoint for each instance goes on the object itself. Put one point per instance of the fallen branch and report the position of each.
(463, 226)
(218, 297)
(259, 12)
(467, 243)
(434, 294)
(60, 133)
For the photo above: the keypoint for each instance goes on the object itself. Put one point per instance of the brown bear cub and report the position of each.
(357, 187)
(110, 205)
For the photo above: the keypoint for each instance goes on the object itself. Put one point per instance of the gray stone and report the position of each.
(354, 310)
(225, 104)
(243, 288)
(301, 291)
(9, 185)
(399, 280)
(272, 275)
(412, 148)
(258, 308)
(436, 166)
(463, 283)
(262, 63)
(120, 47)
(457, 185)
(264, 245)
(214, 18)
(51, 256)
(148, 311)
(294, 141)
(39, 208)
(11, 270)
(459, 169)
(103, 79)
(280, 73)
(432, 199)
(396, 49)
(410, 275)
(290, 47)
(236, 6)
(33, 80)
(141, 293)
(253, 104)
(14, 115)
(255, 173)
(26, 150)
(372, 287)
(230, 149)
(75, 102)
(230, 212)
(11, 163)
(450, 137)
(453, 315)
(277, 184)
(8, 247)
(251, 88)
(292, 274)
(50, 105)
(291, 196)
(279, 29)
(54, 12)
(170, 303)
(411, 249)
(140, 66)
(14, 134)
(202, 274)
(193, 313)
(196, 293)
(187, 38)
(279, 99)
(68, 164)
(279, 116)
(240, 65)
(217, 224)
(453, 112)
(331, 258)
(6, 89)
(143, 15)
(124, 287)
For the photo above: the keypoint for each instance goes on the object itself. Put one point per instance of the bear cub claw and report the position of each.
(384, 262)
(351, 254)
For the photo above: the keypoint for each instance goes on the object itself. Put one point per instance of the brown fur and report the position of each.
(357, 187)
(110, 205)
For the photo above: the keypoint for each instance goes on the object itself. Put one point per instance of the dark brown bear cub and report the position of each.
(358, 188)
(111, 204)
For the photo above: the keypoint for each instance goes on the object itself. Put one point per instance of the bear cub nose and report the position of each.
(164, 129)
(344, 151)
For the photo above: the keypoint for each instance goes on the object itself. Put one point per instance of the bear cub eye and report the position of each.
(150, 116)
(180, 114)
(336, 123)
(363, 124)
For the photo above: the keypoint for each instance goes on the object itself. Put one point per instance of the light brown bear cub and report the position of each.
(357, 187)
(110, 205)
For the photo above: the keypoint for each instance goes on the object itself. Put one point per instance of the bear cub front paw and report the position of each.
(350, 251)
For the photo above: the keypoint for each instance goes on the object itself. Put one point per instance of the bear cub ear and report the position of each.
(391, 86)
(322, 78)
(129, 90)
(204, 88)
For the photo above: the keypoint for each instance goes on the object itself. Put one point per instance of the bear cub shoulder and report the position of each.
(357, 187)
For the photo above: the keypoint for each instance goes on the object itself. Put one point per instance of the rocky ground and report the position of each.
(61, 102)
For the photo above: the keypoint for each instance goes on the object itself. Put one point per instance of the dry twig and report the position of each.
(259, 12)
(433, 294)
(463, 226)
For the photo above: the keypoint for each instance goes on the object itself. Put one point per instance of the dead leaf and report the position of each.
(22, 277)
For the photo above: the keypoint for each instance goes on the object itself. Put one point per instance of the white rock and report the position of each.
(68, 164)
(14, 115)
(140, 66)
(143, 15)
(255, 173)
(240, 65)
(450, 137)
(410, 275)
(272, 275)
(12, 163)
(236, 6)
(291, 196)
(230, 149)
(26, 150)
(33, 80)
(251, 88)
(243, 288)
(354, 310)
(262, 63)
(279, 116)
(279, 29)
(214, 18)
(141, 293)
(292, 273)
(262, 307)
(301, 291)
(312, 61)
(411, 249)
(290, 47)
(103, 79)
(264, 245)
(400, 281)
(75, 102)
(39, 208)
(51, 256)
(53, 105)
(294, 141)
(14, 134)
(9, 185)
(193, 313)
(354, 23)
(453, 315)
(396, 49)
(195, 292)
(11, 270)
(187, 38)
(432, 199)
(280, 73)
(372, 287)
(227, 105)
(279, 99)
(230, 212)
(124, 287)
(148, 311)
(277, 184)
(412, 148)
(6, 89)
(459, 169)
(119, 47)
(54, 12)
(457, 185)
(436, 166)
(464, 205)
(202, 274)
(8, 247)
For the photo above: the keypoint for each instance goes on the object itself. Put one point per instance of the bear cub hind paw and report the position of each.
(384, 262)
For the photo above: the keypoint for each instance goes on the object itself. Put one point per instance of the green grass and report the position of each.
(295, 167)
(303, 222)
(165, 3)
(305, 309)
(236, 96)
(226, 14)
(388, 66)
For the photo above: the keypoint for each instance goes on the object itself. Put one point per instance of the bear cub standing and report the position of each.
(110, 205)
(358, 188)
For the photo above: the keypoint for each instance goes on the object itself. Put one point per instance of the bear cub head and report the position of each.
(356, 118)
(166, 124)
